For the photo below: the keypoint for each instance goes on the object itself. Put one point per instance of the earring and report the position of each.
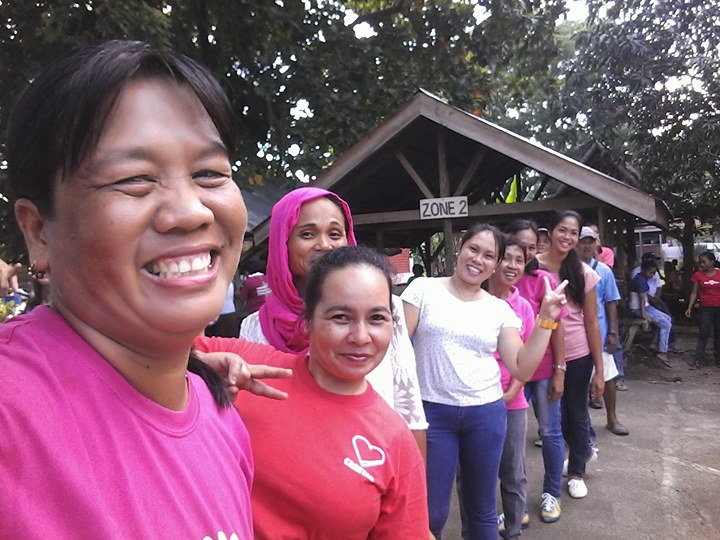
(35, 273)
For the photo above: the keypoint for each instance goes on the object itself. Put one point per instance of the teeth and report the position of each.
(181, 267)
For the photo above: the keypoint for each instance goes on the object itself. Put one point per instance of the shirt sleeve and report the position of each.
(406, 388)
(414, 292)
(640, 284)
(253, 353)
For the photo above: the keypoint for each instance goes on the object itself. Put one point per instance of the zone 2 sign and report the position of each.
(445, 207)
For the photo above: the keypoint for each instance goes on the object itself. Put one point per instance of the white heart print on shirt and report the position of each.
(368, 455)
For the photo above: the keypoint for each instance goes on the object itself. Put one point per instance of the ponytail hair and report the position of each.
(213, 381)
(571, 267)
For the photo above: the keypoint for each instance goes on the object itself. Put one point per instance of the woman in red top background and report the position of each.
(706, 287)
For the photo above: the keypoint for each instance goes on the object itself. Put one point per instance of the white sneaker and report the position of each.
(577, 488)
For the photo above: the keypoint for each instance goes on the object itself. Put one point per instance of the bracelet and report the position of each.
(547, 325)
(560, 367)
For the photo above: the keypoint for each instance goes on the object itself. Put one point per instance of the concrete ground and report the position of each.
(661, 482)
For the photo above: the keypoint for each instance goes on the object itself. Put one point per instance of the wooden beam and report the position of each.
(414, 175)
(449, 246)
(443, 176)
(470, 172)
(484, 210)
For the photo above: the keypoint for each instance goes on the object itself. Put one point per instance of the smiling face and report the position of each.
(350, 328)
(146, 235)
(320, 228)
(477, 258)
(705, 264)
(564, 237)
(587, 248)
(511, 267)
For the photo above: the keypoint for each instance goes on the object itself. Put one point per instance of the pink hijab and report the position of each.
(281, 317)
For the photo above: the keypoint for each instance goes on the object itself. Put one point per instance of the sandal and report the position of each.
(664, 362)
(620, 386)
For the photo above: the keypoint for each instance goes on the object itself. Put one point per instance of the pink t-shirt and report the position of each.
(522, 309)
(607, 256)
(532, 288)
(85, 455)
(576, 341)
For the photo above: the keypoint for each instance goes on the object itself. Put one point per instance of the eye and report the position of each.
(210, 178)
(340, 318)
(337, 235)
(306, 234)
(135, 186)
(379, 318)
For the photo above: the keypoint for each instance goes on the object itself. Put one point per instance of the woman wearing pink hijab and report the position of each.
(304, 224)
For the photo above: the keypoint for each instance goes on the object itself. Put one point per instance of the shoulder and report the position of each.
(251, 329)
(254, 353)
(591, 276)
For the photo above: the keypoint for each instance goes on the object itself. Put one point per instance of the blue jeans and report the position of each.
(472, 437)
(549, 426)
(575, 416)
(513, 480)
(709, 321)
(663, 322)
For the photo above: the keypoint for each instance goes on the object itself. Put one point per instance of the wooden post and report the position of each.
(444, 181)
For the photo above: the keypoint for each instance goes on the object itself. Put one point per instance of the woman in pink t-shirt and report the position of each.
(547, 384)
(706, 287)
(583, 347)
(513, 481)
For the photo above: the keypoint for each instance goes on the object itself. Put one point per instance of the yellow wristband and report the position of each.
(547, 325)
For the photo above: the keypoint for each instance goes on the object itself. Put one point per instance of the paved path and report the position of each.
(663, 481)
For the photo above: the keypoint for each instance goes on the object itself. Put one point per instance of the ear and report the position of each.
(32, 225)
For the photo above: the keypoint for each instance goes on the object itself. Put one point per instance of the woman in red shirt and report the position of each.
(706, 286)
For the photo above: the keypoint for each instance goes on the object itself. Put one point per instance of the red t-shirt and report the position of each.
(327, 466)
(708, 288)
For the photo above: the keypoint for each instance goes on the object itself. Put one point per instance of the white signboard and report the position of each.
(444, 207)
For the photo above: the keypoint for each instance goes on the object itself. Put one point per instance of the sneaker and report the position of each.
(549, 508)
(524, 523)
(577, 488)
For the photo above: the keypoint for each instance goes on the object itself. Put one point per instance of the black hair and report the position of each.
(485, 227)
(214, 382)
(709, 255)
(571, 267)
(418, 269)
(511, 240)
(647, 264)
(519, 225)
(337, 259)
(61, 115)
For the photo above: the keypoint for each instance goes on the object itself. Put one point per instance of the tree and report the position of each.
(304, 86)
(645, 82)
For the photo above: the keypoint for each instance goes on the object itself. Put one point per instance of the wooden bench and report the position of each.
(629, 327)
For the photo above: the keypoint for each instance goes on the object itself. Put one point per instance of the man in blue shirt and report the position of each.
(607, 295)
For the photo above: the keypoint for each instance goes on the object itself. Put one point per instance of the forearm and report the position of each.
(531, 353)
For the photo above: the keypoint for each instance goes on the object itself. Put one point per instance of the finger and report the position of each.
(237, 369)
(263, 390)
(261, 371)
(560, 288)
(548, 289)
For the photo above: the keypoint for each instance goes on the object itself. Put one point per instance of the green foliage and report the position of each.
(646, 83)
(304, 86)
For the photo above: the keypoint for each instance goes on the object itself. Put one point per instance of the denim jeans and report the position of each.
(472, 437)
(513, 480)
(663, 322)
(709, 321)
(548, 417)
(575, 416)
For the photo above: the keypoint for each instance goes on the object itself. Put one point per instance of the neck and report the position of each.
(501, 290)
(335, 385)
(464, 291)
(160, 377)
(299, 283)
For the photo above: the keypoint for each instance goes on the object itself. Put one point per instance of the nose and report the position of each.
(324, 243)
(182, 207)
(359, 333)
